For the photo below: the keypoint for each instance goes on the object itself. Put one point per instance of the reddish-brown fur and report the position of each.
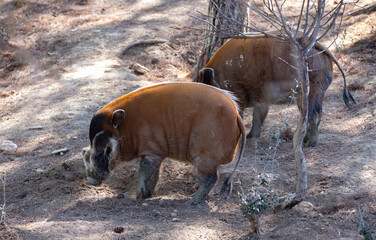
(185, 121)
(263, 71)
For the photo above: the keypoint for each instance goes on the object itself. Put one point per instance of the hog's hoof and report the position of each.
(310, 140)
(251, 135)
(309, 143)
(143, 194)
(92, 181)
(194, 201)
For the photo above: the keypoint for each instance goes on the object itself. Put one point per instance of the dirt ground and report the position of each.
(61, 61)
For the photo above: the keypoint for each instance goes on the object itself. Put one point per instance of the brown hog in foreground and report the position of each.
(190, 122)
(263, 71)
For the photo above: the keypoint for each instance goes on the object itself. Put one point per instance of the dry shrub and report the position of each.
(7, 233)
(286, 134)
(357, 86)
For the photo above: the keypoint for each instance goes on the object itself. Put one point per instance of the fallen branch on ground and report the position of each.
(363, 10)
(141, 42)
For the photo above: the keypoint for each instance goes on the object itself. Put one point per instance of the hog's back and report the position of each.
(179, 120)
(256, 70)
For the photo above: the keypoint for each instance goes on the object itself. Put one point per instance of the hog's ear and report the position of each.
(117, 117)
(206, 76)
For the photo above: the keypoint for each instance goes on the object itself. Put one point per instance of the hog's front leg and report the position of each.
(148, 176)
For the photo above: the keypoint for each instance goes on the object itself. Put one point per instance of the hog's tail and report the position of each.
(347, 97)
(227, 185)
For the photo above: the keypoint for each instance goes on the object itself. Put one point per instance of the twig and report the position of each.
(289, 64)
(300, 18)
(140, 42)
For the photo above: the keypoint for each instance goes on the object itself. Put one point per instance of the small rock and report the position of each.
(40, 170)
(63, 116)
(174, 214)
(138, 68)
(191, 61)
(59, 151)
(145, 204)
(120, 196)
(306, 208)
(156, 213)
(118, 229)
(8, 145)
(66, 166)
(67, 190)
(154, 61)
(176, 219)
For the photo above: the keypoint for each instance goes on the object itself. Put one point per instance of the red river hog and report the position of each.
(190, 122)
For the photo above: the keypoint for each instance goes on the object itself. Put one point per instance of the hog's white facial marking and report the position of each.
(112, 158)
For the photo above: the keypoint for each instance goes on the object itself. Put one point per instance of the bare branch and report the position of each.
(206, 21)
(305, 34)
(289, 64)
(265, 14)
(300, 18)
(285, 27)
(331, 26)
(363, 10)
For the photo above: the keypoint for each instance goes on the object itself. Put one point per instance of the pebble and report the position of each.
(120, 196)
(40, 170)
(155, 61)
(66, 166)
(174, 214)
(63, 116)
(8, 145)
(191, 61)
(156, 213)
(118, 229)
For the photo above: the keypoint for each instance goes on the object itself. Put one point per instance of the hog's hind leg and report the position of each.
(148, 176)
(260, 111)
(207, 181)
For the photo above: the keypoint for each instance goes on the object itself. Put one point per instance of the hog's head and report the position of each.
(100, 158)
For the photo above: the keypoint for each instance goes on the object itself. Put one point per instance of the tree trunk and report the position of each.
(221, 23)
(300, 161)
